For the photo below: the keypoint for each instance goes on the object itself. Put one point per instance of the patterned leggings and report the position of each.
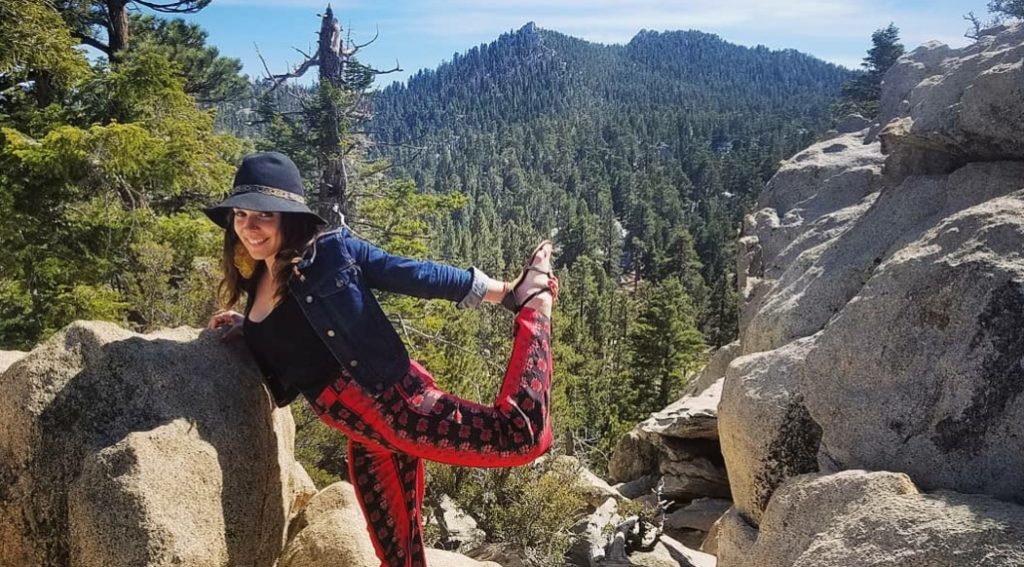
(391, 434)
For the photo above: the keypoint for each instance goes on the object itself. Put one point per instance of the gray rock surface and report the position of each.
(690, 417)
(127, 449)
(734, 538)
(668, 552)
(852, 123)
(302, 489)
(877, 519)
(929, 353)
(883, 286)
(767, 433)
(462, 529)
(680, 442)
(634, 457)
(955, 106)
(699, 514)
(128, 506)
(815, 197)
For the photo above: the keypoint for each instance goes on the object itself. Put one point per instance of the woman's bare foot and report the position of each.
(538, 279)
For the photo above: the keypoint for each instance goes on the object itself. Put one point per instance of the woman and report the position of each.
(315, 328)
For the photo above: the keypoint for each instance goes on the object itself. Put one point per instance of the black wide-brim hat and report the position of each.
(266, 182)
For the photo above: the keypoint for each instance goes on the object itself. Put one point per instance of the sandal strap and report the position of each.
(531, 296)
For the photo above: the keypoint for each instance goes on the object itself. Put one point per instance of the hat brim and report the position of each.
(219, 213)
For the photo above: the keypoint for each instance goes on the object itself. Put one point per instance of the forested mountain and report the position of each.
(673, 130)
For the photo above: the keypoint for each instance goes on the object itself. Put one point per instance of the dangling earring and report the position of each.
(245, 263)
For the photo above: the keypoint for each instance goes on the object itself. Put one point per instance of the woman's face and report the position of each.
(259, 232)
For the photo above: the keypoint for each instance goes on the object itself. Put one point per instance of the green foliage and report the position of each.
(665, 347)
(33, 40)
(208, 76)
(1011, 8)
(105, 24)
(530, 508)
(321, 450)
(862, 93)
(101, 193)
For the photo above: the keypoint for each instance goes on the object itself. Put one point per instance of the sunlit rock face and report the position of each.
(125, 449)
(883, 285)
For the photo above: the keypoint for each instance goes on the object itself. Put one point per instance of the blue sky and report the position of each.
(423, 33)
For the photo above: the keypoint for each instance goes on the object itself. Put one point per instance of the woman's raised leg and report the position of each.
(416, 418)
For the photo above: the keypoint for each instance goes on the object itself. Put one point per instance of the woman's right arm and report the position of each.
(232, 320)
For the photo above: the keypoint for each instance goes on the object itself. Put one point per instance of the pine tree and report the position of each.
(209, 78)
(105, 24)
(1011, 8)
(101, 190)
(665, 348)
(862, 93)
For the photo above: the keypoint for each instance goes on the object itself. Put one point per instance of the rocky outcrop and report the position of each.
(943, 108)
(127, 449)
(602, 541)
(673, 460)
(877, 519)
(883, 287)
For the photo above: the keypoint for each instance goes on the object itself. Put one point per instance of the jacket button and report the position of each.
(354, 363)
(330, 332)
(378, 386)
(309, 299)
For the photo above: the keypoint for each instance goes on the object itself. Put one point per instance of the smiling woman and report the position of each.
(315, 328)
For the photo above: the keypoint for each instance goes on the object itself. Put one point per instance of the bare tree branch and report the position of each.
(303, 53)
(179, 7)
(278, 80)
(92, 42)
(407, 328)
(355, 48)
(387, 230)
(397, 69)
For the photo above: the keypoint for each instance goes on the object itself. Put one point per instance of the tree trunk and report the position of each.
(117, 26)
(332, 192)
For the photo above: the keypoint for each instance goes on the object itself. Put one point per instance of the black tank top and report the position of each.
(289, 351)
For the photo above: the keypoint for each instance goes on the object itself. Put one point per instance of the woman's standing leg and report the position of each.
(389, 487)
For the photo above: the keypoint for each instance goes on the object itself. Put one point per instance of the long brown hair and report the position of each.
(297, 232)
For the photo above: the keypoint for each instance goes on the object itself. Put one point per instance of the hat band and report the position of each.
(265, 190)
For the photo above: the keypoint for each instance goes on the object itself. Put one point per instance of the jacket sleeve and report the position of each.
(418, 278)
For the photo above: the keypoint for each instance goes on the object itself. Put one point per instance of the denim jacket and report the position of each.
(332, 286)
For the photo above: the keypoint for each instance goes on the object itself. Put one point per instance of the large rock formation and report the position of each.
(884, 289)
(126, 449)
(120, 449)
(874, 520)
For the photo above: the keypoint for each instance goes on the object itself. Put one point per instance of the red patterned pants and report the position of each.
(391, 434)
